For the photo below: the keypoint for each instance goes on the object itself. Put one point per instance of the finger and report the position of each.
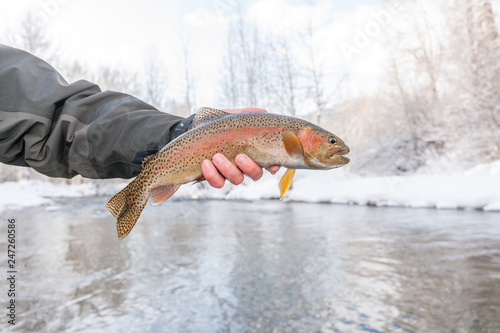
(213, 177)
(248, 166)
(228, 169)
(273, 169)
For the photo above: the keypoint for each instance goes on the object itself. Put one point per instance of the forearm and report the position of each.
(62, 129)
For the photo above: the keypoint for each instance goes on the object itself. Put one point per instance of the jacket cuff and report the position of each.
(183, 126)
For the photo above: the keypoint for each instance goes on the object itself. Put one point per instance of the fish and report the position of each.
(267, 138)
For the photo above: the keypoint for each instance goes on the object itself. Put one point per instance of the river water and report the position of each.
(262, 266)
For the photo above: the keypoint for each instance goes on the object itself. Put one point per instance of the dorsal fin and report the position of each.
(205, 115)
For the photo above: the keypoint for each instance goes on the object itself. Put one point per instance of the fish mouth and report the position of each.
(338, 153)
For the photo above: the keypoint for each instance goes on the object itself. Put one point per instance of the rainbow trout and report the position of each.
(269, 139)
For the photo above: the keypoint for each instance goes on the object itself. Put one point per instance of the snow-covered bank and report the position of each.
(478, 188)
(29, 193)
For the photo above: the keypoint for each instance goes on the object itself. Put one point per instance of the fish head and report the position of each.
(322, 149)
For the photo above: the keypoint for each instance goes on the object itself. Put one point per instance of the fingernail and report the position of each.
(241, 159)
(217, 158)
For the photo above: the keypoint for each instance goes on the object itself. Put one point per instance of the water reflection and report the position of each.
(218, 266)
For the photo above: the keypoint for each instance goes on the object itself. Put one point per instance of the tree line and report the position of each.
(438, 100)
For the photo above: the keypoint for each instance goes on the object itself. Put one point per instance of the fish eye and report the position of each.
(332, 140)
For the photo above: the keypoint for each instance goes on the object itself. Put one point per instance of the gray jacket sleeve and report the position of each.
(62, 129)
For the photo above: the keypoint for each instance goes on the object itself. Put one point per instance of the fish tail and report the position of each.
(127, 206)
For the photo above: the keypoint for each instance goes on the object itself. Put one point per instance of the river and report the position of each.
(261, 266)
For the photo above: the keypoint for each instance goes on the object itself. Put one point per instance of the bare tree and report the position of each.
(253, 63)
(32, 37)
(109, 78)
(284, 83)
(475, 51)
(249, 64)
(246, 70)
(189, 87)
(315, 77)
(485, 62)
(75, 71)
(414, 67)
(156, 82)
(453, 105)
(230, 85)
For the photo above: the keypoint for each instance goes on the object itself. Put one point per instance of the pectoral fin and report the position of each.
(286, 182)
(293, 145)
(161, 193)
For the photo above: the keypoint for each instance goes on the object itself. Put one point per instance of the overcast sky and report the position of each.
(122, 34)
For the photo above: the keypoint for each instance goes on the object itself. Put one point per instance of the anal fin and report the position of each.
(161, 193)
(286, 182)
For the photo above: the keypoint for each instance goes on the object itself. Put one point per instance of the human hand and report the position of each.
(220, 168)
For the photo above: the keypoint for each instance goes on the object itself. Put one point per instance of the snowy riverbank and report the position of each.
(477, 188)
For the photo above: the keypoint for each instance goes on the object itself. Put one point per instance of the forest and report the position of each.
(436, 104)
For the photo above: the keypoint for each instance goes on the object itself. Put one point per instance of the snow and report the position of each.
(478, 188)
(29, 193)
(474, 189)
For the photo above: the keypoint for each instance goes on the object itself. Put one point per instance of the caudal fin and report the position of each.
(127, 206)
